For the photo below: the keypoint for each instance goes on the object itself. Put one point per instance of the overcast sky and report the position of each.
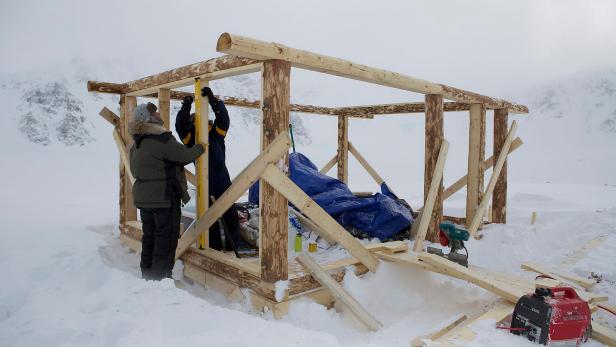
(471, 44)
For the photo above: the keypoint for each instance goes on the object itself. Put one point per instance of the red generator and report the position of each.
(554, 317)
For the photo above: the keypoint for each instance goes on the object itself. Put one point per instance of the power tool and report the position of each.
(453, 237)
(552, 317)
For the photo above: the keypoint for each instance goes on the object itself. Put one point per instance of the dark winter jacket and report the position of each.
(157, 162)
(219, 179)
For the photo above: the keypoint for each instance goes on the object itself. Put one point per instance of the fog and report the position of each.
(485, 45)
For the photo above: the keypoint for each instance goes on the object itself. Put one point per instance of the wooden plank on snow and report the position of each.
(338, 292)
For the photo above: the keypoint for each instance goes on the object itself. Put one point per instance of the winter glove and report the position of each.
(206, 91)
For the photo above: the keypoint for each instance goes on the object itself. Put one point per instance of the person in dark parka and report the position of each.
(157, 162)
(219, 179)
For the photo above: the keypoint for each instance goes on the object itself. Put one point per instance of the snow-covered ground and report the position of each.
(68, 281)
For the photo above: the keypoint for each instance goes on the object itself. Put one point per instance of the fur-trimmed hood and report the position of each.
(136, 128)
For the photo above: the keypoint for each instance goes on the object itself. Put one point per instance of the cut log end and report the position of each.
(224, 42)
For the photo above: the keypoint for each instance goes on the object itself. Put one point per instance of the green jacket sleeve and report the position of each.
(177, 152)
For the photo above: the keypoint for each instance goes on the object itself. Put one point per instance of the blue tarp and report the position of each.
(379, 215)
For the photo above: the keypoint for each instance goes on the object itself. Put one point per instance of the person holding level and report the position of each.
(219, 179)
(157, 162)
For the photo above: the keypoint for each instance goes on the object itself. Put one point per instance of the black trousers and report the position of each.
(231, 221)
(161, 231)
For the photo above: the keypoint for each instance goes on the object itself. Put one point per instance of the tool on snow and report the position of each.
(451, 236)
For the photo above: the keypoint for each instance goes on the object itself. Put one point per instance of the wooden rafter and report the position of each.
(240, 184)
(261, 50)
(216, 68)
(122, 88)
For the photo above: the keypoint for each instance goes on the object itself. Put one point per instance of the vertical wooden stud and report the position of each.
(128, 211)
(201, 168)
(343, 149)
(499, 198)
(433, 140)
(273, 228)
(476, 154)
(164, 106)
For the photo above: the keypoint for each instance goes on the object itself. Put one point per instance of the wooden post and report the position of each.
(476, 154)
(499, 199)
(273, 228)
(164, 106)
(487, 195)
(435, 184)
(433, 139)
(128, 211)
(201, 167)
(343, 149)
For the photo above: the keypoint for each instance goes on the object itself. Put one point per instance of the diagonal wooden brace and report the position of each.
(312, 210)
(239, 185)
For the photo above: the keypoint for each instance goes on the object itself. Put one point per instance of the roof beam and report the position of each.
(401, 108)
(121, 88)
(216, 68)
(261, 50)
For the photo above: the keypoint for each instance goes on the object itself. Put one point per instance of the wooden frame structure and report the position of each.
(274, 62)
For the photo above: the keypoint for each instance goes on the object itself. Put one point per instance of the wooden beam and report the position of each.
(480, 212)
(273, 221)
(433, 138)
(110, 117)
(364, 163)
(117, 88)
(603, 334)
(329, 165)
(499, 199)
(369, 169)
(240, 184)
(216, 68)
(343, 149)
(576, 281)
(128, 211)
(488, 163)
(338, 292)
(164, 106)
(419, 341)
(202, 162)
(400, 108)
(476, 153)
(312, 210)
(256, 49)
(436, 181)
(123, 155)
(464, 273)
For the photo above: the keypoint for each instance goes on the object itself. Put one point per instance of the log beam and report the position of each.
(476, 153)
(273, 221)
(433, 141)
(118, 88)
(343, 149)
(400, 108)
(128, 211)
(164, 106)
(261, 50)
(499, 198)
(480, 212)
(216, 68)
(239, 186)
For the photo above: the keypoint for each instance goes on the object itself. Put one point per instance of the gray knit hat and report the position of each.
(143, 113)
